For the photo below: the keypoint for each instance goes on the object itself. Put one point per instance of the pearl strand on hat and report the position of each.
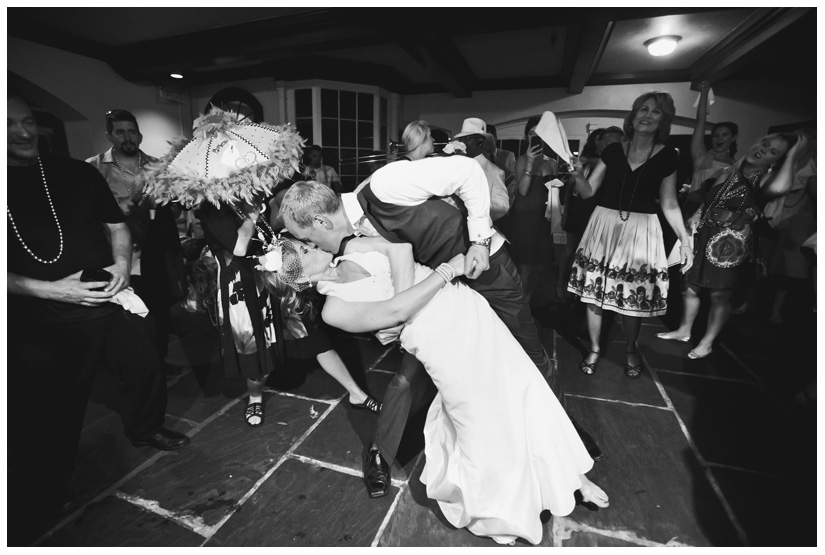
(59, 229)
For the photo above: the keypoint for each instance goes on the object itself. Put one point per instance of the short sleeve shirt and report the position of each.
(82, 205)
(637, 190)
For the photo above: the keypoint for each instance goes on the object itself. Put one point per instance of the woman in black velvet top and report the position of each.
(620, 263)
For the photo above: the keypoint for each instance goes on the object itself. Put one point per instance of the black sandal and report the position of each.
(590, 368)
(370, 403)
(633, 371)
(252, 410)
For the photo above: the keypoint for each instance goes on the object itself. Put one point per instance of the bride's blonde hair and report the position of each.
(296, 296)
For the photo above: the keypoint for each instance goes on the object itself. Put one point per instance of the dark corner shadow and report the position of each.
(759, 441)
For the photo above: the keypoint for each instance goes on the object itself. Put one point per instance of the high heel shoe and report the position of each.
(589, 368)
(633, 371)
(370, 403)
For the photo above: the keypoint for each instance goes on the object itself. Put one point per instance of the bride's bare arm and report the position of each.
(359, 317)
(402, 265)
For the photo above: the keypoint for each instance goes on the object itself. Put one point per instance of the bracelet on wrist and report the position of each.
(446, 272)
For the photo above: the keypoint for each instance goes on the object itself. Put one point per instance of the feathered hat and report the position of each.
(226, 161)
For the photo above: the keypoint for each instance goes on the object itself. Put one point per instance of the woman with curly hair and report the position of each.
(724, 241)
(620, 264)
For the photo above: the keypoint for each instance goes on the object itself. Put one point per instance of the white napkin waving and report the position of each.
(552, 132)
(711, 99)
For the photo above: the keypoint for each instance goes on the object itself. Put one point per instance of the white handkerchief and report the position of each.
(128, 299)
(711, 99)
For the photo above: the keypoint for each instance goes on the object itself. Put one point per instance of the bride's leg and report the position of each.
(332, 364)
(591, 493)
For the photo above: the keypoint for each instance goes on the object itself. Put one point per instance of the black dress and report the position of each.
(723, 246)
(252, 340)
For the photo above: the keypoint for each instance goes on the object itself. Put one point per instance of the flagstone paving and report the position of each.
(697, 453)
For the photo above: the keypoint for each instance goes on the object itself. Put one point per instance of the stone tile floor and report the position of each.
(697, 453)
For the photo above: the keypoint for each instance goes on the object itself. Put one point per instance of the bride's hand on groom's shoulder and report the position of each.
(457, 262)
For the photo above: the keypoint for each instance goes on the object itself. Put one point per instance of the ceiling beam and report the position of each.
(593, 37)
(731, 54)
(665, 76)
(308, 67)
(441, 58)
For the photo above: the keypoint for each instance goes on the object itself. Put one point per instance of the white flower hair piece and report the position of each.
(455, 146)
(272, 261)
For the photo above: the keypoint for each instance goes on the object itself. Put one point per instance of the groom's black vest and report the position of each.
(436, 230)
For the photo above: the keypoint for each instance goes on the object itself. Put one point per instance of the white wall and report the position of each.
(91, 88)
(263, 89)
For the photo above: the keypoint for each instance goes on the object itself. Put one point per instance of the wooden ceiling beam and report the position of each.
(664, 76)
(440, 57)
(732, 53)
(593, 37)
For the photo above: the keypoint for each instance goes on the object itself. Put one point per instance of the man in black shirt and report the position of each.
(62, 328)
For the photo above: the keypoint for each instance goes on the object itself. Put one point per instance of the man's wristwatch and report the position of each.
(483, 242)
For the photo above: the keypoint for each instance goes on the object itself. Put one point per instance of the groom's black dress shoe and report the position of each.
(589, 443)
(376, 472)
(163, 439)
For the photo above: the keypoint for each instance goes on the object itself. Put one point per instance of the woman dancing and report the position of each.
(620, 264)
(723, 243)
(709, 164)
(499, 447)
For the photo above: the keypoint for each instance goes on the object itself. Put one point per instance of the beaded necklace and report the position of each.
(727, 187)
(117, 163)
(262, 231)
(59, 229)
(624, 218)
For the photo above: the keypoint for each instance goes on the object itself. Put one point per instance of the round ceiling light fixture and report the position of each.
(662, 46)
(176, 76)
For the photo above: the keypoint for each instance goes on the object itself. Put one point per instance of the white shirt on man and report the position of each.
(407, 183)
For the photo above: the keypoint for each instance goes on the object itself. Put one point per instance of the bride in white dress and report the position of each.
(499, 447)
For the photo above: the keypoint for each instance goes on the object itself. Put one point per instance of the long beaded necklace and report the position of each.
(120, 167)
(723, 191)
(262, 231)
(59, 229)
(625, 217)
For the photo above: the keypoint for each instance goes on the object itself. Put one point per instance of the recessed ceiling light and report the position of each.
(176, 76)
(662, 46)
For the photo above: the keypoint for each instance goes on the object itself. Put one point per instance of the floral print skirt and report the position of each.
(622, 265)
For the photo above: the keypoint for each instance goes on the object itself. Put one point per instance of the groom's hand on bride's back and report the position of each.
(476, 261)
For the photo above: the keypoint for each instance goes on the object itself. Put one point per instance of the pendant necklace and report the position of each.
(625, 217)
(59, 229)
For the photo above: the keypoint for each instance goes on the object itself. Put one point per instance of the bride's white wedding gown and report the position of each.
(499, 446)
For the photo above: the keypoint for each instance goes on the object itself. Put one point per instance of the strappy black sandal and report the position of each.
(589, 368)
(633, 371)
(253, 410)
(370, 403)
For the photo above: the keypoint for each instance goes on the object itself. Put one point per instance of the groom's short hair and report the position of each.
(304, 199)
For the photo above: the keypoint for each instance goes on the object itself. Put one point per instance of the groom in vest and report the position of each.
(403, 203)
